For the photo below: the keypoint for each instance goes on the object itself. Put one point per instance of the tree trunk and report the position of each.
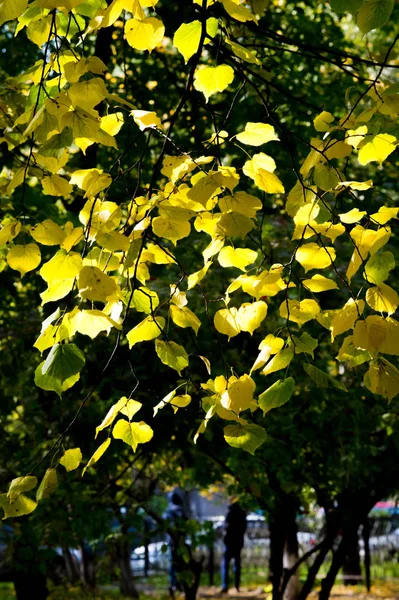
(71, 565)
(367, 559)
(290, 557)
(337, 562)
(190, 587)
(126, 585)
(277, 543)
(87, 568)
(351, 567)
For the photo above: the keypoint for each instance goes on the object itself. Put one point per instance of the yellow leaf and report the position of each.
(62, 266)
(210, 80)
(250, 316)
(131, 408)
(24, 258)
(87, 94)
(234, 224)
(57, 289)
(270, 345)
(318, 283)
(279, 361)
(132, 433)
(55, 185)
(195, 278)
(172, 230)
(377, 149)
(184, 317)
(256, 134)
(226, 321)
(238, 11)
(145, 119)
(239, 394)
(145, 300)
(382, 378)
(47, 233)
(47, 485)
(71, 459)
(21, 484)
(382, 298)
(312, 256)
(101, 215)
(259, 161)
(236, 257)
(299, 196)
(144, 34)
(171, 354)
(240, 202)
(95, 285)
(147, 330)
(345, 318)
(73, 235)
(11, 9)
(376, 334)
(75, 69)
(113, 241)
(323, 121)
(97, 454)
(111, 415)
(112, 123)
(22, 505)
(93, 322)
(353, 216)
(384, 215)
(353, 137)
(39, 31)
(188, 35)
(356, 185)
(299, 312)
(9, 231)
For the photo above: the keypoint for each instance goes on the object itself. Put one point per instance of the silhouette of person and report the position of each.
(235, 526)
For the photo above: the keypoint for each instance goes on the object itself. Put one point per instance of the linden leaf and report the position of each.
(57, 289)
(71, 459)
(22, 505)
(345, 318)
(323, 121)
(24, 258)
(132, 433)
(376, 334)
(11, 9)
(62, 266)
(195, 278)
(227, 321)
(378, 267)
(382, 298)
(53, 384)
(184, 317)
(305, 344)
(144, 34)
(256, 134)
(251, 315)
(131, 408)
(323, 379)
(277, 394)
(187, 36)
(210, 80)
(270, 345)
(55, 185)
(353, 216)
(95, 285)
(172, 230)
(146, 119)
(234, 224)
(93, 322)
(382, 378)
(63, 361)
(299, 312)
(239, 394)
(97, 454)
(312, 256)
(374, 14)
(171, 354)
(385, 214)
(145, 300)
(47, 233)
(146, 330)
(318, 283)
(236, 257)
(377, 149)
(238, 11)
(279, 361)
(244, 436)
(47, 485)
(19, 485)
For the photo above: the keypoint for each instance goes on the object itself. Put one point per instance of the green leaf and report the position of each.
(71, 459)
(278, 394)
(22, 505)
(52, 384)
(48, 484)
(374, 14)
(305, 344)
(341, 6)
(132, 433)
(63, 362)
(245, 436)
(378, 267)
(21, 484)
(171, 354)
(322, 378)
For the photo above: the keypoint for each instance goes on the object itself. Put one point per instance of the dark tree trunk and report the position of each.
(337, 562)
(351, 567)
(190, 587)
(71, 565)
(277, 543)
(88, 571)
(126, 585)
(367, 558)
(291, 556)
